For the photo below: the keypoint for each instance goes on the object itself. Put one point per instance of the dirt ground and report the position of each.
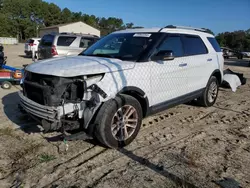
(186, 146)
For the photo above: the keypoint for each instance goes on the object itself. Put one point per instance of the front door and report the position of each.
(169, 78)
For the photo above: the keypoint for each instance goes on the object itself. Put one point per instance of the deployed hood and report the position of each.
(78, 65)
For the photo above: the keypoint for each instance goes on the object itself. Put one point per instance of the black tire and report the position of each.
(105, 118)
(6, 85)
(205, 100)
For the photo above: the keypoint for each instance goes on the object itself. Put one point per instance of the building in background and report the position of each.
(76, 27)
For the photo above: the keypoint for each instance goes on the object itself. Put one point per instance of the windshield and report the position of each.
(124, 46)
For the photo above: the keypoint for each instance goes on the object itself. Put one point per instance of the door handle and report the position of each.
(209, 59)
(182, 64)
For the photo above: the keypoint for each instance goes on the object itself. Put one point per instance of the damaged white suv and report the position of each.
(109, 88)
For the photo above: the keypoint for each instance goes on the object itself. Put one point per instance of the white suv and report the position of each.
(109, 88)
(31, 44)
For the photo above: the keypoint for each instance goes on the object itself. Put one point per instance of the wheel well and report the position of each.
(217, 74)
(142, 100)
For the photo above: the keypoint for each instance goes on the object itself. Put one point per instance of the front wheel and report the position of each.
(210, 93)
(118, 121)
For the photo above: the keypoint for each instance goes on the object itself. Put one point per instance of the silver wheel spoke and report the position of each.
(131, 120)
(125, 132)
(131, 112)
(131, 126)
(127, 110)
(115, 129)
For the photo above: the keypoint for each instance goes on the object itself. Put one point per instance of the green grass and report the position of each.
(44, 158)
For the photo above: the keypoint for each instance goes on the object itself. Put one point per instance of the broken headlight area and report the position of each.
(74, 100)
(51, 90)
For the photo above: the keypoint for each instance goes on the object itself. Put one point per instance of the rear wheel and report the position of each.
(6, 85)
(210, 93)
(118, 121)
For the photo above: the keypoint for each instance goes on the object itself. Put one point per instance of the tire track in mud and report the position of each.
(100, 164)
(59, 171)
(208, 116)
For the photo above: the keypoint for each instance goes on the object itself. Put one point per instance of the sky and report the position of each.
(217, 15)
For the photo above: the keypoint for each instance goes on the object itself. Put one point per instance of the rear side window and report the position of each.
(65, 41)
(47, 40)
(86, 42)
(193, 45)
(173, 43)
(214, 43)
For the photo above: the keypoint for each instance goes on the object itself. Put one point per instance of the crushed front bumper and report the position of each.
(51, 114)
(51, 118)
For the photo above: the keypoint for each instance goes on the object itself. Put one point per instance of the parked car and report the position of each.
(109, 88)
(227, 52)
(64, 44)
(246, 54)
(30, 44)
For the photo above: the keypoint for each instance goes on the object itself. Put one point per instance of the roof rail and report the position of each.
(68, 33)
(183, 27)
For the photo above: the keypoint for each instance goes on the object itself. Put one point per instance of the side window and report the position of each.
(193, 45)
(65, 40)
(173, 43)
(86, 42)
(47, 40)
(214, 43)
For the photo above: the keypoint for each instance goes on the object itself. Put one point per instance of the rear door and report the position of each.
(199, 61)
(45, 47)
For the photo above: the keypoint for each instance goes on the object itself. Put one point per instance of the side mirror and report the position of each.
(163, 55)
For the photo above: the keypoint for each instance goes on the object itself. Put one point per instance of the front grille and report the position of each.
(35, 92)
(50, 90)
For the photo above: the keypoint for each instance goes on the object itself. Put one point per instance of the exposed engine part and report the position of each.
(50, 90)
(95, 88)
(49, 126)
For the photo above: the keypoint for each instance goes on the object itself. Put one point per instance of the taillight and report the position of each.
(53, 50)
(31, 44)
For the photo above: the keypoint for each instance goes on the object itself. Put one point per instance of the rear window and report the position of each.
(86, 42)
(47, 40)
(193, 45)
(30, 41)
(214, 43)
(65, 41)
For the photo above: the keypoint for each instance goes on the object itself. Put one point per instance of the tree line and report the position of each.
(24, 18)
(237, 40)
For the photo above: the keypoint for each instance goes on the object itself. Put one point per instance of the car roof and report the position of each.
(35, 38)
(76, 34)
(166, 30)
